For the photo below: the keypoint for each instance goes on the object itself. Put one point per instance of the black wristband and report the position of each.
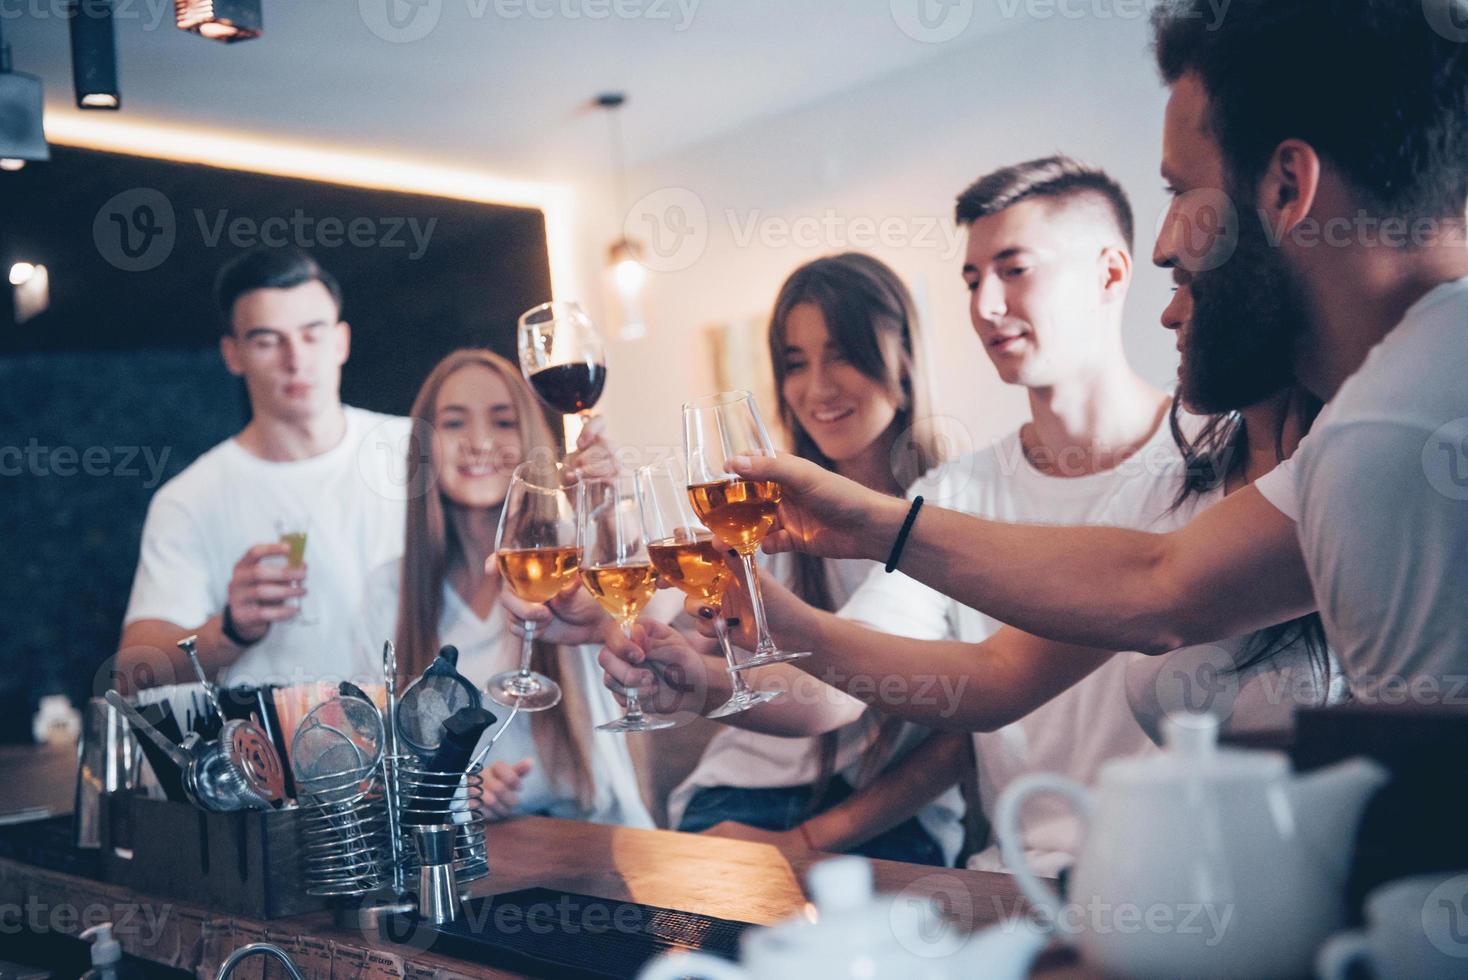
(226, 626)
(917, 504)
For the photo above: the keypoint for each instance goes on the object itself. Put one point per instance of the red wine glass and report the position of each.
(563, 356)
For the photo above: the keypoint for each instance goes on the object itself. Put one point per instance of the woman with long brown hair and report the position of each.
(474, 421)
(850, 377)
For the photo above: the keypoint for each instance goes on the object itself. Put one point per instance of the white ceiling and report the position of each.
(496, 85)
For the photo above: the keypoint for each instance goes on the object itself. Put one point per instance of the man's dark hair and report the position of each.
(1377, 87)
(268, 268)
(1057, 178)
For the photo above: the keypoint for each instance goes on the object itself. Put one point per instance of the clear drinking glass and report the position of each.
(739, 511)
(616, 569)
(563, 356)
(293, 532)
(536, 550)
(683, 552)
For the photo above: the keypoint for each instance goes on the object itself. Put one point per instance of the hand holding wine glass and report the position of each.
(820, 512)
(616, 569)
(537, 556)
(684, 553)
(662, 665)
(739, 510)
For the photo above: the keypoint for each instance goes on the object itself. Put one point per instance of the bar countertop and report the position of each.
(728, 879)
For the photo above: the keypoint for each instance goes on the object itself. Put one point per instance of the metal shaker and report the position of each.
(438, 892)
(107, 762)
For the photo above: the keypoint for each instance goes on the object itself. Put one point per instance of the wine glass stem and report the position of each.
(766, 646)
(721, 630)
(634, 706)
(527, 646)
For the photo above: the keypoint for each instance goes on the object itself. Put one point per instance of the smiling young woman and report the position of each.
(845, 348)
(475, 420)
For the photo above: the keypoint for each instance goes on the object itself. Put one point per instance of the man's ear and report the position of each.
(1288, 188)
(1116, 272)
(229, 349)
(344, 329)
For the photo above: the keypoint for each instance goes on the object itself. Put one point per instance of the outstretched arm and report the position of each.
(1236, 567)
(942, 684)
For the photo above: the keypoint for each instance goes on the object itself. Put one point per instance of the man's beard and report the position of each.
(1248, 317)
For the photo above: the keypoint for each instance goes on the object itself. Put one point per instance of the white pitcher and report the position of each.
(1200, 861)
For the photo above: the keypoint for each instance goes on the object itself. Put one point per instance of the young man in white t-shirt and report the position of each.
(1346, 266)
(212, 560)
(1048, 264)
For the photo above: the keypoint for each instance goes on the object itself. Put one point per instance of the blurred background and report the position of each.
(665, 162)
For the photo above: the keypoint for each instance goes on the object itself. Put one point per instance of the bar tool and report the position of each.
(108, 758)
(430, 700)
(479, 756)
(338, 737)
(212, 779)
(390, 782)
(250, 764)
(440, 781)
(438, 891)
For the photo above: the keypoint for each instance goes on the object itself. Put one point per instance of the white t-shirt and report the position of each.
(1083, 726)
(1260, 698)
(487, 647)
(201, 523)
(739, 757)
(1379, 490)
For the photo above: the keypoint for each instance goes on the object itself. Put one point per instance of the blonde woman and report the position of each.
(474, 421)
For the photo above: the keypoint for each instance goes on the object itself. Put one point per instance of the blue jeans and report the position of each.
(782, 808)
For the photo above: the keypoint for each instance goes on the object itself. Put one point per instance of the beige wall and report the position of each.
(883, 161)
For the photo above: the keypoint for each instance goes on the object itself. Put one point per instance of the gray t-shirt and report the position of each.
(1379, 490)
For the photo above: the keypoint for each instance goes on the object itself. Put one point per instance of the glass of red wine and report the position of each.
(563, 356)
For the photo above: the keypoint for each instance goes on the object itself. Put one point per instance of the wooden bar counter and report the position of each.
(713, 876)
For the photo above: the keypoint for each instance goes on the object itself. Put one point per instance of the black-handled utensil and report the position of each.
(349, 690)
(430, 701)
(437, 785)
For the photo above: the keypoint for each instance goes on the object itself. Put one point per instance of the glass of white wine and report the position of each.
(536, 550)
(616, 569)
(739, 512)
(683, 552)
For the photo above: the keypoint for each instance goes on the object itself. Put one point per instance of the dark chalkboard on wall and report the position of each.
(119, 385)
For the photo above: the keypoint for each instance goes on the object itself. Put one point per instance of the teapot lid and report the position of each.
(848, 918)
(1190, 751)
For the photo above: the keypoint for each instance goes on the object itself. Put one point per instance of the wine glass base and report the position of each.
(765, 659)
(624, 725)
(743, 701)
(534, 693)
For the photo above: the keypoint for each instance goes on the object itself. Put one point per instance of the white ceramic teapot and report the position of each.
(858, 935)
(1200, 861)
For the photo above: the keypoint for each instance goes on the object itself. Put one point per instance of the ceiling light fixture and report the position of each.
(94, 54)
(220, 20)
(22, 130)
(625, 270)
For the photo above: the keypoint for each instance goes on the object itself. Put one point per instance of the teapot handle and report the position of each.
(674, 966)
(1339, 953)
(1042, 896)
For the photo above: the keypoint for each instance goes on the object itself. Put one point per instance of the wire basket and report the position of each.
(426, 797)
(344, 836)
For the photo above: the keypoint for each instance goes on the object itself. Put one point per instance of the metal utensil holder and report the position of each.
(345, 840)
(426, 797)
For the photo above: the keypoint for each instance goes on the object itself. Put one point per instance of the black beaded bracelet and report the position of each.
(917, 504)
(227, 627)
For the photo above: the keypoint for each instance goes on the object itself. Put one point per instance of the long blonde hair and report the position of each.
(431, 548)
